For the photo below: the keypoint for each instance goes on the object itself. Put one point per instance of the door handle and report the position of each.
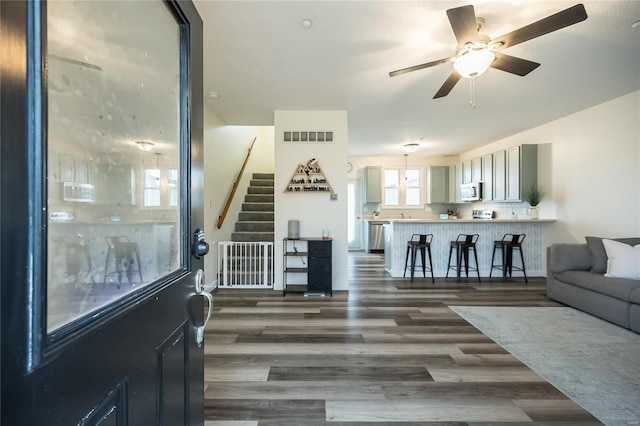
(201, 291)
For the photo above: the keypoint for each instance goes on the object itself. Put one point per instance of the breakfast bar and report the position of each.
(398, 232)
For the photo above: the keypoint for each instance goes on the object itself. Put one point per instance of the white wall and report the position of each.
(225, 148)
(589, 165)
(315, 211)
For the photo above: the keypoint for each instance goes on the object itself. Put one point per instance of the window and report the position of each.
(151, 187)
(160, 187)
(173, 187)
(412, 187)
(392, 187)
(402, 188)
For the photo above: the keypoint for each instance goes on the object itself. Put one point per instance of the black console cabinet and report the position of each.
(316, 258)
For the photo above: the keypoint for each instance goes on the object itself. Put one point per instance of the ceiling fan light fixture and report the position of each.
(145, 146)
(410, 148)
(471, 63)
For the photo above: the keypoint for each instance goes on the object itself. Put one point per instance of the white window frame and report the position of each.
(402, 189)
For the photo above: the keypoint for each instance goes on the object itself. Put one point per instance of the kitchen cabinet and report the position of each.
(371, 184)
(513, 174)
(466, 172)
(476, 169)
(458, 169)
(487, 177)
(521, 170)
(438, 187)
(454, 186)
(499, 176)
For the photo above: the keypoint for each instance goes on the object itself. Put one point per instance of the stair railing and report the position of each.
(225, 210)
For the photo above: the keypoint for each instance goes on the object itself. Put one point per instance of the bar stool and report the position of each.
(507, 245)
(462, 244)
(123, 253)
(420, 242)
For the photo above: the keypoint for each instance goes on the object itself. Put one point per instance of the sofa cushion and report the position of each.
(598, 253)
(569, 257)
(634, 297)
(623, 260)
(619, 288)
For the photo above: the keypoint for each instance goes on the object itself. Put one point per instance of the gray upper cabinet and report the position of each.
(522, 170)
(438, 178)
(466, 171)
(372, 184)
(499, 176)
(457, 173)
(476, 169)
(486, 167)
(514, 171)
(513, 174)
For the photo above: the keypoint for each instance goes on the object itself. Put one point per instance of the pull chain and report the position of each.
(472, 92)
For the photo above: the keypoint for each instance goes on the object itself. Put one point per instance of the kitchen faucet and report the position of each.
(402, 215)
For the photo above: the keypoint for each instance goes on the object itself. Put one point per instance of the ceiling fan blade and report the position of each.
(463, 23)
(419, 67)
(74, 62)
(448, 85)
(513, 65)
(562, 19)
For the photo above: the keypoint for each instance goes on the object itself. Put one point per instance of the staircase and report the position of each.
(255, 221)
(247, 260)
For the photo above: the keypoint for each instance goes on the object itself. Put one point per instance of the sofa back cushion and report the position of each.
(569, 257)
(599, 255)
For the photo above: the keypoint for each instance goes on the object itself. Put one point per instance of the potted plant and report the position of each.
(533, 196)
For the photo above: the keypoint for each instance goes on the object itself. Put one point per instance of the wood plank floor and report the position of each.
(387, 352)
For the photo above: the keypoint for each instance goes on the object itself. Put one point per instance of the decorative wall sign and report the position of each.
(308, 178)
(304, 136)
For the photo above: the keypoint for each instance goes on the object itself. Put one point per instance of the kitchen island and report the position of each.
(399, 231)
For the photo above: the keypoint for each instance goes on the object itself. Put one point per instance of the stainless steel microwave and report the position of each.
(78, 192)
(471, 191)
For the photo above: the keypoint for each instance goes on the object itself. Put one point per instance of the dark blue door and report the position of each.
(101, 195)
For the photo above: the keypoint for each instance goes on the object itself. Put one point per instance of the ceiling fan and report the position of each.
(477, 52)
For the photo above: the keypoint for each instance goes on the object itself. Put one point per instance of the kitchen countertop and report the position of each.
(488, 221)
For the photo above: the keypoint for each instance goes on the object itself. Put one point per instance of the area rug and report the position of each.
(593, 362)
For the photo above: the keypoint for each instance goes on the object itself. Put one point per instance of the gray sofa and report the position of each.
(575, 277)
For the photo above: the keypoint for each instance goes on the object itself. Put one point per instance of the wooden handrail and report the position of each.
(234, 187)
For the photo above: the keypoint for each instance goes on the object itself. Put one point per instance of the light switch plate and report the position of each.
(334, 197)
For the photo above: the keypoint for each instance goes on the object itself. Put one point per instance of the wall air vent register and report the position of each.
(304, 136)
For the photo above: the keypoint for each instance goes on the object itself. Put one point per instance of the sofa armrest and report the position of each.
(568, 257)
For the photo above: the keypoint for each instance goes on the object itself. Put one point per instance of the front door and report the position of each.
(101, 207)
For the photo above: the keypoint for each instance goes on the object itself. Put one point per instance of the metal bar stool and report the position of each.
(462, 244)
(507, 245)
(125, 254)
(420, 242)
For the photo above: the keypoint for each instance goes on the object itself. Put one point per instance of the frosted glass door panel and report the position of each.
(113, 141)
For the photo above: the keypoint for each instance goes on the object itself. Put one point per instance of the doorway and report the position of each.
(354, 216)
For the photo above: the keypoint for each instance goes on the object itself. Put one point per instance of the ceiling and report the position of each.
(259, 58)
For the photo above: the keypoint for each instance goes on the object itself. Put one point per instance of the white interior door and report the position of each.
(354, 216)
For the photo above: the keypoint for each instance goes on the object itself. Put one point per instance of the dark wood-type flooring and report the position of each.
(387, 352)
